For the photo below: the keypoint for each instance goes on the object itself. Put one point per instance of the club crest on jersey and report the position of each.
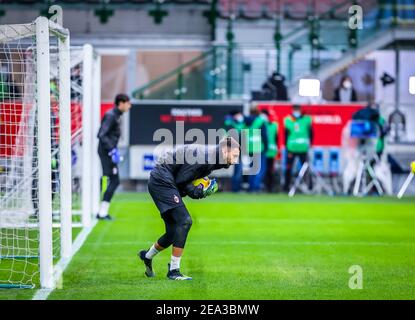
(176, 199)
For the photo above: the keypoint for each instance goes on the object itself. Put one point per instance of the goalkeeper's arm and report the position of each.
(194, 192)
(198, 192)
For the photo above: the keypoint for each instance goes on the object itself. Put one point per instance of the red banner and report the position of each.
(328, 120)
(105, 107)
(14, 131)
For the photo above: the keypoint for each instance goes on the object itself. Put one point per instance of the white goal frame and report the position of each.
(91, 107)
(41, 30)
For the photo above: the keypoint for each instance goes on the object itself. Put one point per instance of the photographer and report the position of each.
(371, 113)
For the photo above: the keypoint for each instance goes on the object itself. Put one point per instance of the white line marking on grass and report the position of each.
(264, 243)
(295, 221)
(43, 294)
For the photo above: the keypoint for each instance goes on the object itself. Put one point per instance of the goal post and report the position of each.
(44, 152)
(87, 133)
(96, 119)
(86, 106)
(35, 153)
(50, 102)
(65, 146)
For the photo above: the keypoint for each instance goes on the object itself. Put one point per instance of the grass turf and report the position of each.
(253, 247)
(23, 271)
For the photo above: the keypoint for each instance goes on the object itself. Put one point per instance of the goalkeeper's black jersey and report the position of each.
(171, 178)
(186, 163)
(110, 130)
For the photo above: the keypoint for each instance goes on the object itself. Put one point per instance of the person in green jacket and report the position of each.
(235, 121)
(298, 140)
(257, 147)
(272, 132)
(383, 132)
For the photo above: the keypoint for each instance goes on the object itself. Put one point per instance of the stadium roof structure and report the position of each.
(240, 9)
(86, 3)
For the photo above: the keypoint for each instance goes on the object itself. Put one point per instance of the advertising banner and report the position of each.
(329, 120)
(148, 117)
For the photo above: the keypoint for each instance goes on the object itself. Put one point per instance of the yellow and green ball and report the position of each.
(205, 182)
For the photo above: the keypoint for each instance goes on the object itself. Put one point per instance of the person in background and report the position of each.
(109, 135)
(384, 129)
(257, 144)
(8, 89)
(274, 87)
(281, 92)
(371, 113)
(298, 140)
(272, 132)
(235, 122)
(345, 92)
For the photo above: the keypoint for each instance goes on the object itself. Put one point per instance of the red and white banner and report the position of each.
(328, 120)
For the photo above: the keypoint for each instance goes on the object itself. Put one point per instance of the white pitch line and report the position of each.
(271, 243)
(43, 294)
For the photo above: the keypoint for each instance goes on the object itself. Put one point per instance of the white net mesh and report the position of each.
(18, 154)
(76, 130)
(19, 187)
(54, 132)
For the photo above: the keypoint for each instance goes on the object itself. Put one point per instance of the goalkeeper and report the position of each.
(108, 135)
(173, 178)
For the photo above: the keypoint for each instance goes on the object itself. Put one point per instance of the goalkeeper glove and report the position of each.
(213, 187)
(115, 156)
(74, 157)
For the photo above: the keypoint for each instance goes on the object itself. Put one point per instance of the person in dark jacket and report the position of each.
(281, 92)
(170, 180)
(108, 136)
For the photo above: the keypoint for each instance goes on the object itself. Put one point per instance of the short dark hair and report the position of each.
(121, 97)
(235, 112)
(344, 77)
(265, 111)
(254, 111)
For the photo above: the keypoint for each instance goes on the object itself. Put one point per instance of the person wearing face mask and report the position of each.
(298, 139)
(257, 147)
(345, 92)
(272, 132)
(234, 123)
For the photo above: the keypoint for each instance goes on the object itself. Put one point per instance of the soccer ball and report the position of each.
(205, 182)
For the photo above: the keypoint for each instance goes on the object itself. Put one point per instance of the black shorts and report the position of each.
(165, 195)
(109, 168)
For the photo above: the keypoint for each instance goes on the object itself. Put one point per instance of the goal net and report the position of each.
(35, 153)
(85, 103)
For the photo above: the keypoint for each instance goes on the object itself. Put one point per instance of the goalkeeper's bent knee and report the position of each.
(183, 225)
(182, 231)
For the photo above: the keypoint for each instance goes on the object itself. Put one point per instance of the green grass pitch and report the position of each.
(251, 247)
